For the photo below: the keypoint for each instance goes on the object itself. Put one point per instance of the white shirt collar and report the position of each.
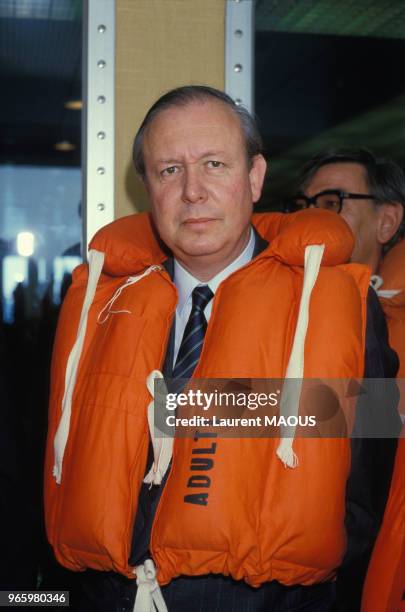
(186, 282)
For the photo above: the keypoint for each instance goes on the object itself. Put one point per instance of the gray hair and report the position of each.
(183, 96)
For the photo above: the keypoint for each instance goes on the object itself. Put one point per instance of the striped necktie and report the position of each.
(193, 337)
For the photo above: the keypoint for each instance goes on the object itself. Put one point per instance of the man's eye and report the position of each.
(170, 170)
(331, 203)
(214, 164)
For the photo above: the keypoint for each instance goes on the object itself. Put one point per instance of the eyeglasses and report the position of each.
(330, 199)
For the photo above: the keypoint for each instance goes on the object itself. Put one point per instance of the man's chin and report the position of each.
(196, 248)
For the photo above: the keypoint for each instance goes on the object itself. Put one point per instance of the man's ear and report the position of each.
(389, 219)
(256, 176)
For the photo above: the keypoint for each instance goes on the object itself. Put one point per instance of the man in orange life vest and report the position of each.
(266, 530)
(369, 193)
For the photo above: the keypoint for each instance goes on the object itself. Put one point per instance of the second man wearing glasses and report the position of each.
(369, 193)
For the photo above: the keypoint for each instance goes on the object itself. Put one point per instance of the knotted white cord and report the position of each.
(130, 281)
(149, 597)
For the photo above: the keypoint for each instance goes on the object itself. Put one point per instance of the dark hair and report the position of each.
(386, 180)
(183, 96)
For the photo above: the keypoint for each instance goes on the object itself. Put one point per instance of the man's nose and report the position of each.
(193, 185)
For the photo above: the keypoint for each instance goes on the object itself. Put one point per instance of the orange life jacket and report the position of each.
(384, 589)
(262, 521)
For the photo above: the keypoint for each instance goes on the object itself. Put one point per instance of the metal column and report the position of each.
(239, 52)
(98, 115)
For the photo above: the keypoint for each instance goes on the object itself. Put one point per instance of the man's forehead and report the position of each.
(338, 175)
(194, 115)
(200, 127)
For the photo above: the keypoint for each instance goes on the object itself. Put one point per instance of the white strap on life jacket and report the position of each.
(96, 261)
(376, 282)
(162, 443)
(149, 597)
(290, 398)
